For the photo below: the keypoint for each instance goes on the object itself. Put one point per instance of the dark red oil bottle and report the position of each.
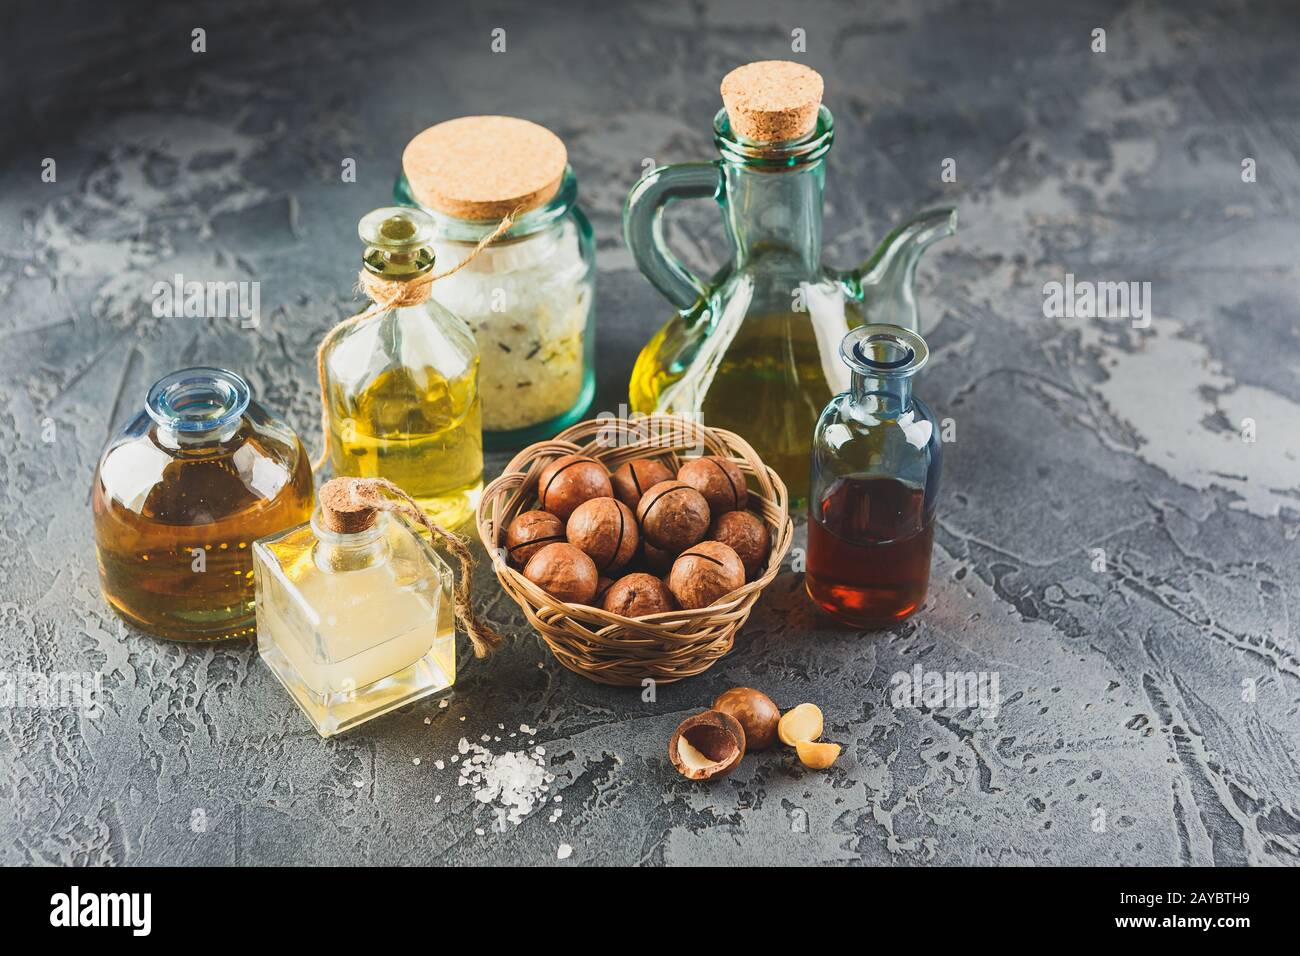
(869, 542)
(875, 478)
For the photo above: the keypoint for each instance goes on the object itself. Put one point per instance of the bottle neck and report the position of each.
(337, 553)
(196, 410)
(881, 396)
(775, 215)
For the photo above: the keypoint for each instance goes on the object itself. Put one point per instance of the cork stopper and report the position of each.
(342, 511)
(484, 167)
(772, 101)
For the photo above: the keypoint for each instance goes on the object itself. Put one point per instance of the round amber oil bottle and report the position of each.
(181, 494)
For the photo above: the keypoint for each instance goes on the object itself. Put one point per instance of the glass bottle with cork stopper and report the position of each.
(752, 349)
(530, 296)
(356, 612)
(400, 385)
(876, 464)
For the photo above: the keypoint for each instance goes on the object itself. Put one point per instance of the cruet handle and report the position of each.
(643, 227)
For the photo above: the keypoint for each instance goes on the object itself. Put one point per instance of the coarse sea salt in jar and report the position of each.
(530, 295)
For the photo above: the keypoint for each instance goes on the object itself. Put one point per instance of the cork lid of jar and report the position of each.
(341, 510)
(772, 100)
(484, 167)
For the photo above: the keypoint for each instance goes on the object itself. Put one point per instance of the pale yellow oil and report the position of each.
(769, 387)
(421, 431)
(354, 644)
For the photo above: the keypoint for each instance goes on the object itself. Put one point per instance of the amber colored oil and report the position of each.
(419, 430)
(770, 387)
(869, 544)
(149, 566)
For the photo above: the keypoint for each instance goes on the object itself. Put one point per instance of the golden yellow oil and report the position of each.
(421, 431)
(770, 387)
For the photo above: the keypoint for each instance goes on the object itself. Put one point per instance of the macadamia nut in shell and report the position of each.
(529, 533)
(638, 594)
(673, 516)
(569, 481)
(704, 573)
(564, 572)
(606, 530)
(756, 713)
(745, 533)
(633, 478)
(719, 480)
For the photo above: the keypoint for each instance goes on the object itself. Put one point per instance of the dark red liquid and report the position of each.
(869, 542)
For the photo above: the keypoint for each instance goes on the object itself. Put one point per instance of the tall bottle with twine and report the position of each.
(400, 380)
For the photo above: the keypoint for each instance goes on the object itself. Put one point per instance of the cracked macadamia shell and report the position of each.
(704, 573)
(707, 745)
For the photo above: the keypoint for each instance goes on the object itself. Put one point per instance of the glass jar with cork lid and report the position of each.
(529, 296)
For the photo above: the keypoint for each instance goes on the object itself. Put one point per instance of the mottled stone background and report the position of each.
(1127, 691)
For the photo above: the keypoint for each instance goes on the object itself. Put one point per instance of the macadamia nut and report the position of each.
(673, 516)
(704, 573)
(606, 530)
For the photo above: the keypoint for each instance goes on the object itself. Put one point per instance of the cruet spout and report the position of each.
(887, 280)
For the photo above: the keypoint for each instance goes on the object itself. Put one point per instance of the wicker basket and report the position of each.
(610, 648)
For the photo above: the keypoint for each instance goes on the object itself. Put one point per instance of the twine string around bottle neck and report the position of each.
(381, 494)
(386, 294)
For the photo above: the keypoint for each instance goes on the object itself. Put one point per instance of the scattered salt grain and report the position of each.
(512, 781)
(559, 797)
(442, 704)
(416, 761)
(478, 831)
(564, 852)
(428, 720)
(540, 751)
(440, 765)
(438, 799)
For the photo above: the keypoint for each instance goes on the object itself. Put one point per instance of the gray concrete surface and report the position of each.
(1149, 712)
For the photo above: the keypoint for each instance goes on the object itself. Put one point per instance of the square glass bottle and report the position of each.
(355, 615)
